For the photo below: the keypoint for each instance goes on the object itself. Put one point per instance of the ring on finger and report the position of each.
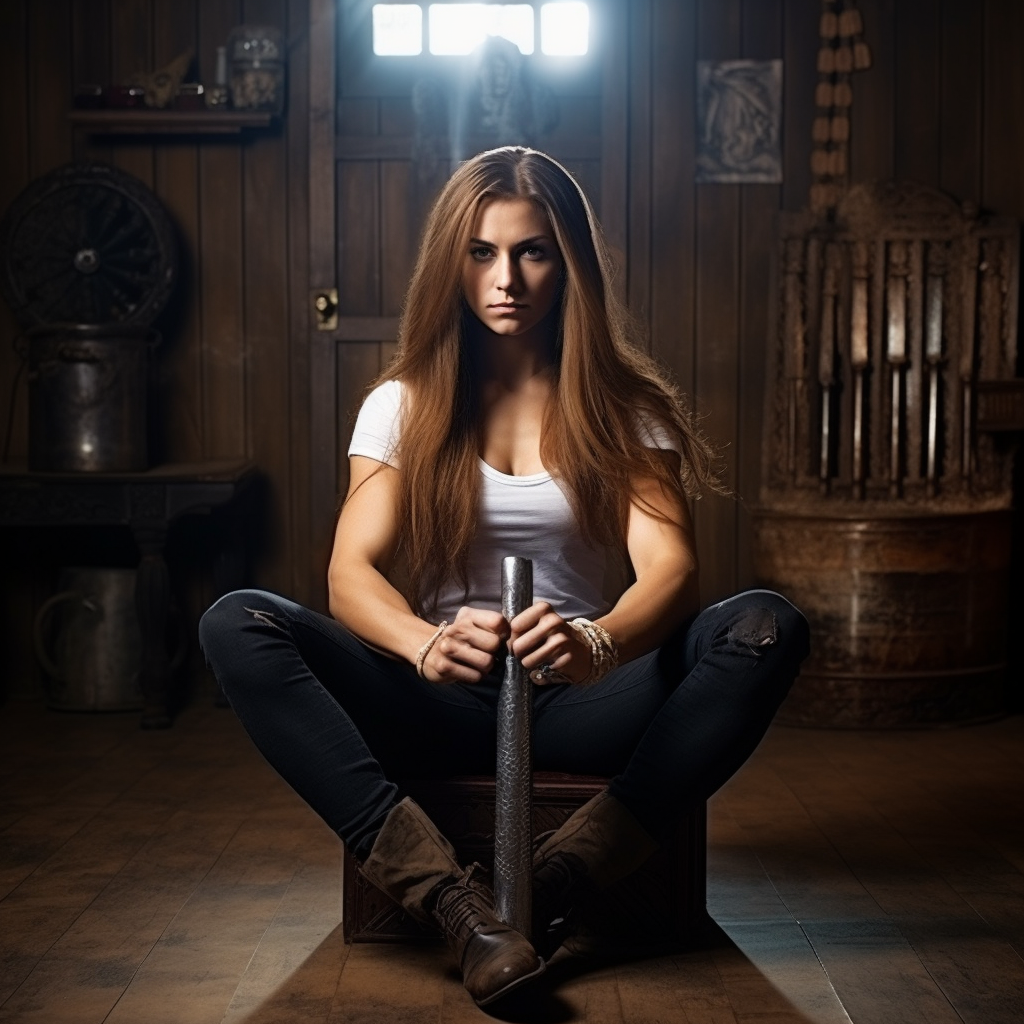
(549, 674)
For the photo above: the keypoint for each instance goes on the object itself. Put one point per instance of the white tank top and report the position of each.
(527, 516)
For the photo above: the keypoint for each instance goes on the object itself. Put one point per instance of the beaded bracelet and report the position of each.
(604, 652)
(422, 653)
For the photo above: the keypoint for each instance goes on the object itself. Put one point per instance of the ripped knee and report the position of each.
(754, 630)
(266, 618)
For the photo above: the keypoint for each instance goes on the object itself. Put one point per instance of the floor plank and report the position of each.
(293, 975)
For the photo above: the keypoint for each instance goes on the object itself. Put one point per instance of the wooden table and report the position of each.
(146, 503)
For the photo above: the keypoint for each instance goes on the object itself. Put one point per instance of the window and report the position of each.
(397, 30)
(455, 29)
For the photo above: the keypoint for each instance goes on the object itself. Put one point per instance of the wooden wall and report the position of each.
(941, 104)
(232, 372)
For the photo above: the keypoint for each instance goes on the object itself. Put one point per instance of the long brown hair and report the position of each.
(601, 379)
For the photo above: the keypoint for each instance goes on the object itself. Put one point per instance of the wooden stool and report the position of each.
(660, 902)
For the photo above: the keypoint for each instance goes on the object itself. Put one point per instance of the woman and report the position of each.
(517, 419)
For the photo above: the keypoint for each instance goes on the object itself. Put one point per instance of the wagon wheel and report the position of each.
(87, 244)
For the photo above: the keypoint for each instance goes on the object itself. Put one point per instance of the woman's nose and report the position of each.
(507, 273)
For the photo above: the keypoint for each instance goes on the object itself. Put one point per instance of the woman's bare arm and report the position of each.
(666, 591)
(362, 598)
(664, 594)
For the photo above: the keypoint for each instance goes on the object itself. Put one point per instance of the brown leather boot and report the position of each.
(599, 844)
(415, 865)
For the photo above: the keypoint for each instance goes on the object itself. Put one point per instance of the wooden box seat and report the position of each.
(661, 902)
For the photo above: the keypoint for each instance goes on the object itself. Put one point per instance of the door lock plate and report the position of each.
(325, 305)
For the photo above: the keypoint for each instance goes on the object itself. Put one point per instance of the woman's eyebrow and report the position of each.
(516, 245)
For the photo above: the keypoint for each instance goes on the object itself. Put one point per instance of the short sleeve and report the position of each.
(378, 429)
(653, 435)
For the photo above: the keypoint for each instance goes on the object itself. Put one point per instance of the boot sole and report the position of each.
(513, 986)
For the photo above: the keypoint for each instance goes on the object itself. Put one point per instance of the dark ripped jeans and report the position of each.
(341, 722)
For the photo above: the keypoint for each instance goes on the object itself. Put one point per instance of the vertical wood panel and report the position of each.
(1003, 149)
(323, 273)
(872, 121)
(221, 293)
(91, 65)
(359, 287)
(918, 114)
(672, 231)
(716, 283)
(400, 226)
(614, 132)
(800, 51)
(302, 547)
(22, 582)
(640, 142)
(14, 99)
(177, 184)
(50, 84)
(960, 99)
(131, 50)
(14, 176)
(761, 40)
(267, 322)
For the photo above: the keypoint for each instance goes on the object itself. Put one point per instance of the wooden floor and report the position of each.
(151, 877)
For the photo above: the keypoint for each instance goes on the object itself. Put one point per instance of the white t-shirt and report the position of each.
(526, 516)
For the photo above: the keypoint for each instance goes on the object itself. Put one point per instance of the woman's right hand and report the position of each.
(466, 650)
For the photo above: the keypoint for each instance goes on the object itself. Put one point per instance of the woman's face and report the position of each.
(511, 275)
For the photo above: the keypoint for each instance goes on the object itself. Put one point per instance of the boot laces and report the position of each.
(462, 906)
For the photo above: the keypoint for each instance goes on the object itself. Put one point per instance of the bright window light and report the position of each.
(564, 29)
(458, 29)
(397, 30)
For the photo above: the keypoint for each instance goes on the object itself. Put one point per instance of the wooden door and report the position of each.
(385, 133)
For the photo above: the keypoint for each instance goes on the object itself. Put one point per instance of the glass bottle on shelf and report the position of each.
(217, 94)
(257, 68)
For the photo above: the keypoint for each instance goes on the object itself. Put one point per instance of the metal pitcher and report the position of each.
(87, 639)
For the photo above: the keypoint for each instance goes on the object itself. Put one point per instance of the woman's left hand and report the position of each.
(542, 639)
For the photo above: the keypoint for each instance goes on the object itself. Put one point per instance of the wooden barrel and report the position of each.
(908, 614)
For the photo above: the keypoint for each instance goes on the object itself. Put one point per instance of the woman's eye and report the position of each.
(480, 253)
(534, 253)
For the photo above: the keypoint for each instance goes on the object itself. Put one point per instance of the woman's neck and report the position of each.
(511, 362)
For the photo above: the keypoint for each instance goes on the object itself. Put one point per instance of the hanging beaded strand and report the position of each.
(842, 51)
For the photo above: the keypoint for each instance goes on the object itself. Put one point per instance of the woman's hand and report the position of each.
(465, 651)
(541, 637)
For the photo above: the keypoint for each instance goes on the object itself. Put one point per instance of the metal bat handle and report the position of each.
(513, 798)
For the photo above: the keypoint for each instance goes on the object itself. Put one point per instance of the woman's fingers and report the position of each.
(465, 651)
(541, 637)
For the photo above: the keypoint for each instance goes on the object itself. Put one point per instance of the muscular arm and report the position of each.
(666, 590)
(363, 600)
(664, 594)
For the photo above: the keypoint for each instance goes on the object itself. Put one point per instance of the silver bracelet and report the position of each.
(604, 651)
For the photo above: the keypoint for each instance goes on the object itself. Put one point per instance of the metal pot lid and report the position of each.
(87, 244)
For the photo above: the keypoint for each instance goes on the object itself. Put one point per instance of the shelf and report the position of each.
(170, 122)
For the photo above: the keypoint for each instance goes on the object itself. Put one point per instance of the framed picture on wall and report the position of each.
(739, 121)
